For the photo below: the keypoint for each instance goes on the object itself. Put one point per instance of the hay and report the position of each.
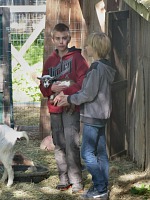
(120, 178)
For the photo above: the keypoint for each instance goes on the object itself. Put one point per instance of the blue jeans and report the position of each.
(94, 154)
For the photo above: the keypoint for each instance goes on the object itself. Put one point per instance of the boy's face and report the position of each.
(61, 40)
(89, 50)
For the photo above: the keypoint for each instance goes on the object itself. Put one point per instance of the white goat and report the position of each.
(47, 80)
(8, 138)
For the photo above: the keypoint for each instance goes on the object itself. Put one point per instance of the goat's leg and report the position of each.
(10, 175)
(8, 170)
(5, 174)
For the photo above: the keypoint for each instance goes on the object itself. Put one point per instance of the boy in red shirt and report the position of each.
(65, 64)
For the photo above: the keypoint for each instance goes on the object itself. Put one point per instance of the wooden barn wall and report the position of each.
(90, 15)
(117, 31)
(139, 90)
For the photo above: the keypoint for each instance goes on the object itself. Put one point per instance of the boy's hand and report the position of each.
(58, 98)
(63, 101)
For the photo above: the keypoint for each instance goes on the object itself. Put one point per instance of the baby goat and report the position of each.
(8, 138)
(47, 80)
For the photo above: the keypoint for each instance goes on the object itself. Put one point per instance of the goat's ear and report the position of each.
(40, 78)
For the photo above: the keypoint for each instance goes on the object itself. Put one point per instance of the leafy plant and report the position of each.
(142, 190)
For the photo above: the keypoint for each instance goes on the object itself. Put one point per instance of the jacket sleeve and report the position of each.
(89, 91)
(80, 72)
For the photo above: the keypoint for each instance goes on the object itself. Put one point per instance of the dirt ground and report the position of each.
(127, 182)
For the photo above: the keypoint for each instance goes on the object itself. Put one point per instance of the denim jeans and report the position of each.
(94, 154)
(66, 138)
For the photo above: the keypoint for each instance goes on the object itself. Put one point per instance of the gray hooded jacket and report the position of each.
(95, 95)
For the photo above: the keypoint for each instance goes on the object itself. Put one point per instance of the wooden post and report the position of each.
(44, 119)
(5, 62)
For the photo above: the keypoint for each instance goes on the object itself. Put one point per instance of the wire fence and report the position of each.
(23, 111)
(22, 2)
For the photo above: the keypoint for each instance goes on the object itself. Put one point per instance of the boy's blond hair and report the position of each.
(100, 42)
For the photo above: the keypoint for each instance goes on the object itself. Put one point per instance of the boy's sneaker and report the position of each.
(92, 193)
(83, 168)
(78, 188)
(63, 187)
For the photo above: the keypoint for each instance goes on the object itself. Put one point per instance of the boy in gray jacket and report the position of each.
(96, 103)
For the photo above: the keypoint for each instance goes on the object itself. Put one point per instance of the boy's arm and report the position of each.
(81, 70)
(89, 92)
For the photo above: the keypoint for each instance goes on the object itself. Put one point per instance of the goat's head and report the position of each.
(47, 80)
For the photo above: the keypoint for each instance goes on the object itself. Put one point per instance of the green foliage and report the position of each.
(24, 87)
(143, 190)
(34, 54)
(33, 93)
(23, 83)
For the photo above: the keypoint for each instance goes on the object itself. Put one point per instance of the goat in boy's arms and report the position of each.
(8, 138)
(47, 80)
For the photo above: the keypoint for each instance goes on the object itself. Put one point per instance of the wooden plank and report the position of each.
(117, 31)
(100, 11)
(76, 19)
(90, 16)
(140, 8)
(119, 85)
(45, 127)
(139, 117)
(52, 17)
(146, 61)
(1, 78)
(147, 114)
(112, 5)
(7, 98)
(20, 58)
(26, 9)
(119, 15)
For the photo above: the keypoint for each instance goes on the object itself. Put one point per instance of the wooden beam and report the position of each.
(119, 85)
(20, 59)
(30, 40)
(140, 7)
(30, 8)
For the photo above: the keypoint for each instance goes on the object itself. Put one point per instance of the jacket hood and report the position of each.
(71, 50)
(109, 71)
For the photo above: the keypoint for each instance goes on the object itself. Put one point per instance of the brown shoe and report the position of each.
(63, 187)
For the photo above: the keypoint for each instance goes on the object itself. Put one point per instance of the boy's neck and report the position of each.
(62, 53)
(96, 57)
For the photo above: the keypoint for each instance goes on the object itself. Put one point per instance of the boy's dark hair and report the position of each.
(61, 27)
